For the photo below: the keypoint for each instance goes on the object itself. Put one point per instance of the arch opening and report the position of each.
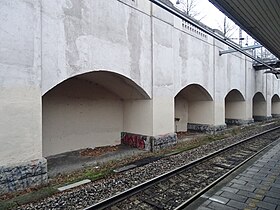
(235, 108)
(259, 107)
(193, 109)
(91, 110)
(275, 106)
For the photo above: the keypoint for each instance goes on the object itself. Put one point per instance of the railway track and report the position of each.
(177, 188)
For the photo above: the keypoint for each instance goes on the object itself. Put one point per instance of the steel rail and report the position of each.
(197, 195)
(211, 33)
(132, 191)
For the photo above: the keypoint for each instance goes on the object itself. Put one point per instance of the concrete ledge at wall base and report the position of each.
(238, 121)
(149, 143)
(261, 118)
(205, 128)
(275, 115)
(163, 141)
(24, 175)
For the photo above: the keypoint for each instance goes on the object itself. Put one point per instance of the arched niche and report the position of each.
(275, 106)
(92, 109)
(193, 108)
(259, 107)
(235, 108)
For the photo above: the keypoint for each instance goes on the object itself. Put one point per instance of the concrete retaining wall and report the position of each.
(238, 121)
(163, 141)
(149, 143)
(45, 43)
(205, 128)
(136, 140)
(261, 118)
(22, 176)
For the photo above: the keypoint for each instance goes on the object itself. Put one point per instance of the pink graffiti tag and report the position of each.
(133, 140)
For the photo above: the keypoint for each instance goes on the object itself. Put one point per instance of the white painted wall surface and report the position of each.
(259, 105)
(79, 114)
(138, 116)
(163, 80)
(275, 104)
(82, 36)
(236, 110)
(181, 112)
(20, 78)
(260, 83)
(201, 112)
(236, 72)
(259, 108)
(151, 48)
(163, 115)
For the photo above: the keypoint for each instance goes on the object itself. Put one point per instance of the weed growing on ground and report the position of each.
(21, 199)
(98, 172)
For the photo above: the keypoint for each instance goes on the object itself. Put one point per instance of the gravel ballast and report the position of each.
(86, 195)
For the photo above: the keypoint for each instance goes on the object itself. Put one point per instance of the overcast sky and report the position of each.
(212, 17)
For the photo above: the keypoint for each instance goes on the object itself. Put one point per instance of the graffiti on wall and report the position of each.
(149, 143)
(136, 140)
(24, 175)
(163, 141)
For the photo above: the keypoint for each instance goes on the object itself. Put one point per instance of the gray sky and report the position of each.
(212, 17)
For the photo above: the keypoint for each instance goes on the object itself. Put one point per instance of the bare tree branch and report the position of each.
(190, 7)
(228, 27)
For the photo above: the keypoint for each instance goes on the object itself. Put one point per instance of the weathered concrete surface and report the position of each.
(136, 140)
(20, 80)
(92, 112)
(193, 105)
(156, 55)
(84, 36)
(20, 176)
(275, 105)
(260, 106)
(149, 143)
(205, 127)
(236, 109)
(163, 141)
(75, 119)
(238, 121)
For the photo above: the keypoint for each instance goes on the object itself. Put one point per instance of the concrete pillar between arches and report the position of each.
(163, 115)
(148, 124)
(21, 161)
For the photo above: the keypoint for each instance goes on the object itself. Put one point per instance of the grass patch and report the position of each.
(93, 175)
(21, 199)
(192, 143)
(105, 170)
(38, 194)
